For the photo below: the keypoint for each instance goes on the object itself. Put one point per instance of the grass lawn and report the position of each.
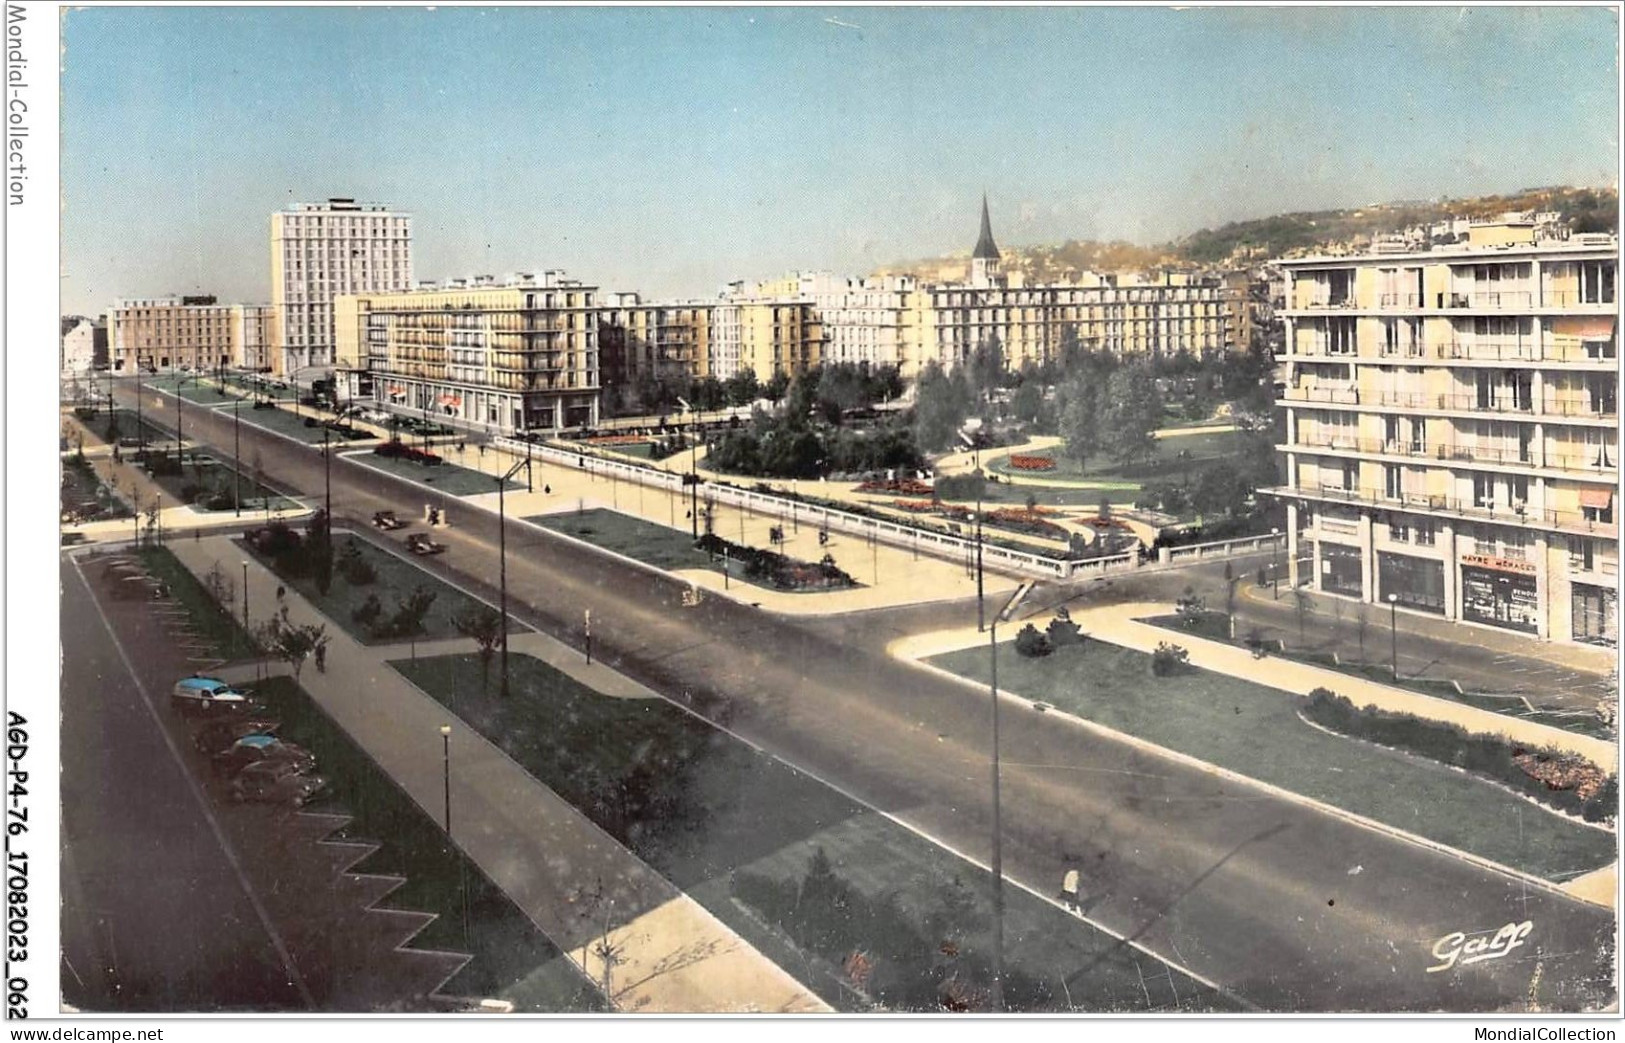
(444, 477)
(636, 450)
(705, 810)
(260, 389)
(1256, 731)
(209, 473)
(1213, 626)
(396, 578)
(286, 422)
(83, 492)
(101, 425)
(1166, 462)
(1083, 498)
(223, 630)
(652, 544)
(192, 389)
(512, 959)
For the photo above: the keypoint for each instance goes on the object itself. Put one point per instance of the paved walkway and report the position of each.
(1118, 624)
(1481, 658)
(542, 852)
(888, 576)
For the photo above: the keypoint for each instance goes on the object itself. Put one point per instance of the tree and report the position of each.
(319, 550)
(152, 518)
(987, 366)
(776, 387)
(291, 642)
(1080, 415)
(410, 613)
(742, 388)
(1220, 490)
(484, 625)
(1032, 642)
(220, 585)
(1130, 413)
(942, 401)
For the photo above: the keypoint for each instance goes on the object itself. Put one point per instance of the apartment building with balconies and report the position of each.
(1452, 420)
(318, 252)
(639, 340)
(196, 333)
(510, 354)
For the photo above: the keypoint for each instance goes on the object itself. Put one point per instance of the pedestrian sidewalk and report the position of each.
(1478, 657)
(677, 957)
(889, 576)
(1118, 624)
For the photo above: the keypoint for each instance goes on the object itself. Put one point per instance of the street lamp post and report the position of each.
(1393, 636)
(237, 455)
(245, 597)
(445, 744)
(586, 625)
(997, 860)
(1275, 564)
(502, 557)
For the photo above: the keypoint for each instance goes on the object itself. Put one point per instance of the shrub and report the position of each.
(1062, 631)
(368, 611)
(1168, 659)
(1032, 643)
(1190, 607)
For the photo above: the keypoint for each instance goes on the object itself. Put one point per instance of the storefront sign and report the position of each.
(1484, 561)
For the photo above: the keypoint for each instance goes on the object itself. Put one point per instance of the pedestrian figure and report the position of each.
(280, 590)
(321, 659)
(1069, 890)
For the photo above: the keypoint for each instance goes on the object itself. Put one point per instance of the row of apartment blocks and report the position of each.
(1451, 428)
(197, 332)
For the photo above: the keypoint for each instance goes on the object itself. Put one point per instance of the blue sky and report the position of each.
(670, 150)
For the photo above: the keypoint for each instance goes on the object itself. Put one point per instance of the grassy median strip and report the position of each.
(1215, 627)
(394, 578)
(447, 478)
(741, 834)
(648, 542)
(1256, 731)
(220, 628)
(512, 959)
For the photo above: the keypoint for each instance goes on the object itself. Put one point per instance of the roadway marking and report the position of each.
(288, 965)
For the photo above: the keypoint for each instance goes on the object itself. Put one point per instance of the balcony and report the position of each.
(1573, 522)
(1488, 300)
(1491, 457)
(1489, 349)
(1576, 299)
(1399, 300)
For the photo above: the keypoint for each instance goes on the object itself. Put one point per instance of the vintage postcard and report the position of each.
(807, 510)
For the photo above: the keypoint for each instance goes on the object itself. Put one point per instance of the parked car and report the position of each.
(217, 736)
(387, 521)
(259, 749)
(208, 694)
(276, 782)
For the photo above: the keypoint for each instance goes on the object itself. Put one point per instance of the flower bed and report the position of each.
(1560, 772)
(1023, 462)
(402, 451)
(906, 486)
(779, 571)
(916, 506)
(1023, 520)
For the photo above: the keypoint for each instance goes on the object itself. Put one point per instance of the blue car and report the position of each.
(209, 694)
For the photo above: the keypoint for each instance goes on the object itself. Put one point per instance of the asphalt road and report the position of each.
(1281, 904)
(154, 917)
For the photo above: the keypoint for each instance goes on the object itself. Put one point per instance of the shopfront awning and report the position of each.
(451, 401)
(1598, 498)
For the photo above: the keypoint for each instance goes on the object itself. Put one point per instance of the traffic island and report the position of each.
(372, 594)
(1257, 732)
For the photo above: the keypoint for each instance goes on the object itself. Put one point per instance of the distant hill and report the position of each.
(1584, 209)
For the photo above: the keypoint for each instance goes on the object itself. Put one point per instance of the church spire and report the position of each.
(985, 250)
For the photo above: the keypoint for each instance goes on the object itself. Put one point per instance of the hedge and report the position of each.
(1489, 756)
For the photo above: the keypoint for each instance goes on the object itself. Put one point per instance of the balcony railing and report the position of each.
(1572, 298)
(1489, 456)
(1556, 349)
(1564, 521)
(1489, 350)
(1488, 300)
(1400, 300)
